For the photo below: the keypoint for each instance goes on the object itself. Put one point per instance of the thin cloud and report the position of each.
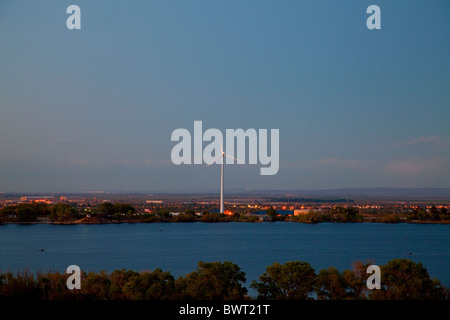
(416, 166)
(439, 140)
(329, 162)
(70, 143)
(342, 163)
(434, 141)
(157, 163)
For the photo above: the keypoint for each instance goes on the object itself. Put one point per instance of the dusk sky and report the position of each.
(94, 109)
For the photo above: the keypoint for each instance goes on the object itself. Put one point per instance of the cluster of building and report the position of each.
(244, 205)
(30, 199)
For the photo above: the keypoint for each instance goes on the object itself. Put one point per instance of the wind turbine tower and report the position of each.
(223, 155)
(222, 210)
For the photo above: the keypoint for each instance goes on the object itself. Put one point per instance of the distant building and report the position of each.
(299, 212)
(38, 199)
(77, 200)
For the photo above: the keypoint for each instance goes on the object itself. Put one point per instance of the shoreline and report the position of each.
(144, 222)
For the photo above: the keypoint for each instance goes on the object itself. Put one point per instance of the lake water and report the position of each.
(177, 247)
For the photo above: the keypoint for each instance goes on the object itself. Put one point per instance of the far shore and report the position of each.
(92, 220)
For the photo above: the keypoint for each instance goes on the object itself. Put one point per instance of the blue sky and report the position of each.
(94, 109)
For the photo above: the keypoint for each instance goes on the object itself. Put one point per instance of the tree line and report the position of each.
(123, 212)
(108, 212)
(401, 279)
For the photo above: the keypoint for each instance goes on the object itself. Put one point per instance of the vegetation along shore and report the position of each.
(402, 279)
(107, 212)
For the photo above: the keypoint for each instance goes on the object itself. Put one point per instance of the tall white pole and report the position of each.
(221, 185)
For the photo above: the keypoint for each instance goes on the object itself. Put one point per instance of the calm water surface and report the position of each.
(177, 247)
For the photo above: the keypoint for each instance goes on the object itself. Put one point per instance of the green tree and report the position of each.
(164, 215)
(22, 286)
(272, 213)
(118, 280)
(123, 208)
(41, 209)
(356, 280)
(161, 285)
(422, 214)
(344, 214)
(331, 285)
(63, 212)
(183, 217)
(352, 215)
(403, 279)
(444, 214)
(56, 285)
(293, 280)
(213, 281)
(434, 213)
(213, 217)
(309, 217)
(156, 285)
(8, 211)
(96, 286)
(391, 218)
(349, 284)
(106, 209)
(25, 213)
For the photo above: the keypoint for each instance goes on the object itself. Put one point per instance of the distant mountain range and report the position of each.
(346, 193)
(358, 192)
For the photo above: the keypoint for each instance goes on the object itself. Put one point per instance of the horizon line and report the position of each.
(240, 190)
